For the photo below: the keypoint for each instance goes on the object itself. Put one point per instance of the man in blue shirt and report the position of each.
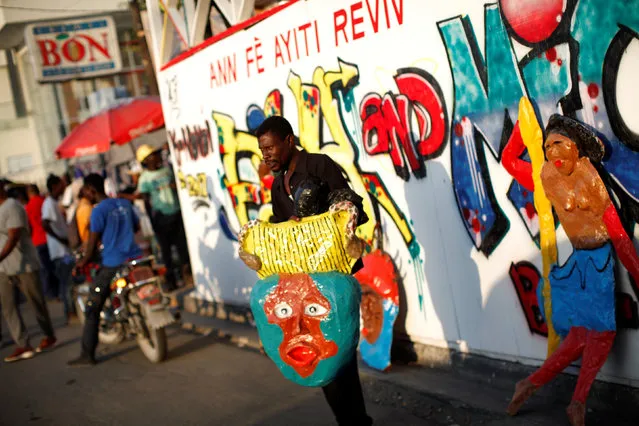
(114, 223)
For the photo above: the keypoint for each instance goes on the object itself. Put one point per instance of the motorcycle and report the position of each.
(136, 306)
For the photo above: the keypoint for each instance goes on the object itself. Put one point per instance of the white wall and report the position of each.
(7, 111)
(455, 261)
(34, 136)
(20, 141)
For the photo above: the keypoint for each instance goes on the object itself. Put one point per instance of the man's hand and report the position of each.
(294, 218)
(80, 264)
(46, 224)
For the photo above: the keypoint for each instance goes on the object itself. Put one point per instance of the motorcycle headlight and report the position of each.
(121, 283)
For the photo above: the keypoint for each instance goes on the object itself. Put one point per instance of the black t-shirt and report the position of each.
(320, 166)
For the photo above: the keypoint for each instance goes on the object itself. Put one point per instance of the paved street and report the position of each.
(205, 381)
(208, 380)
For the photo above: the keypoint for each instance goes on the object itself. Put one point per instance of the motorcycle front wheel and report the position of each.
(154, 347)
(113, 335)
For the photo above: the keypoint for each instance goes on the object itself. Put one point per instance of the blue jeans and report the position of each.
(94, 306)
(50, 283)
(64, 271)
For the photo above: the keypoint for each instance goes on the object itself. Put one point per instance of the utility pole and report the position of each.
(144, 48)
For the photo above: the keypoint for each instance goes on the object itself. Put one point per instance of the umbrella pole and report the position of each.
(132, 149)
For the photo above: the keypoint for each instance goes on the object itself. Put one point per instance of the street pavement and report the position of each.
(207, 380)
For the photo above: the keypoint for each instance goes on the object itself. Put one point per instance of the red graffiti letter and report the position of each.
(340, 26)
(356, 21)
(213, 76)
(385, 127)
(231, 68)
(303, 28)
(526, 277)
(399, 11)
(428, 102)
(375, 20)
(249, 61)
(278, 53)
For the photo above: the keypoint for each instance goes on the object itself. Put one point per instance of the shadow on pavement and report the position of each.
(304, 412)
(191, 346)
(109, 352)
(61, 344)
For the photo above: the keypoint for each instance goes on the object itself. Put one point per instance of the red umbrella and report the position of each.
(119, 125)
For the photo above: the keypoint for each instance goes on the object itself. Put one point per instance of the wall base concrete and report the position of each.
(432, 373)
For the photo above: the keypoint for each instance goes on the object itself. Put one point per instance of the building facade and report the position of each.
(36, 116)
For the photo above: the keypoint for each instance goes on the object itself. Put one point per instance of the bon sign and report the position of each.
(74, 49)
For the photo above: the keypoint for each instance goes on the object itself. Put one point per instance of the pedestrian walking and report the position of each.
(39, 238)
(71, 194)
(157, 185)
(83, 217)
(293, 167)
(56, 227)
(19, 265)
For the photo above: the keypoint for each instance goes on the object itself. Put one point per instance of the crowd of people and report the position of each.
(30, 220)
(41, 235)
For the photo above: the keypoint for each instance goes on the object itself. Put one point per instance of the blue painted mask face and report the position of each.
(309, 324)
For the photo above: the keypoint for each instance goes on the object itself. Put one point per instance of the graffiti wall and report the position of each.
(415, 100)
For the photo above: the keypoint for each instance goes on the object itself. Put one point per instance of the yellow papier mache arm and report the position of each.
(314, 244)
(532, 136)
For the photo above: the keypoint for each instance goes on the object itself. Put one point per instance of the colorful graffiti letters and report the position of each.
(387, 123)
(241, 157)
(526, 278)
(196, 140)
(569, 67)
(483, 218)
(198, 186)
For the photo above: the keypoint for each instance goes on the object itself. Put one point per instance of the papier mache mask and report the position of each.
(379, 308)
(306, 306)
(308, 323)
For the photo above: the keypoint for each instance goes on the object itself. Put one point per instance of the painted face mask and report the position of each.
(380, 306)
(308, 323)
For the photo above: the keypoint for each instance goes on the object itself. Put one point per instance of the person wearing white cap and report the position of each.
(157, 186)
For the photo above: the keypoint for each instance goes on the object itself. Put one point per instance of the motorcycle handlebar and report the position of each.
(79, 252)
(141, 260)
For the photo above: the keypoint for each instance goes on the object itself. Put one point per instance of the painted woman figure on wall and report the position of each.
(582, 289)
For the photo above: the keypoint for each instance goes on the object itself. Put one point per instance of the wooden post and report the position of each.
(71, 104)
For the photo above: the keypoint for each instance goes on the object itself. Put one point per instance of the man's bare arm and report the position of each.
(46, 224)
(12, 242)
